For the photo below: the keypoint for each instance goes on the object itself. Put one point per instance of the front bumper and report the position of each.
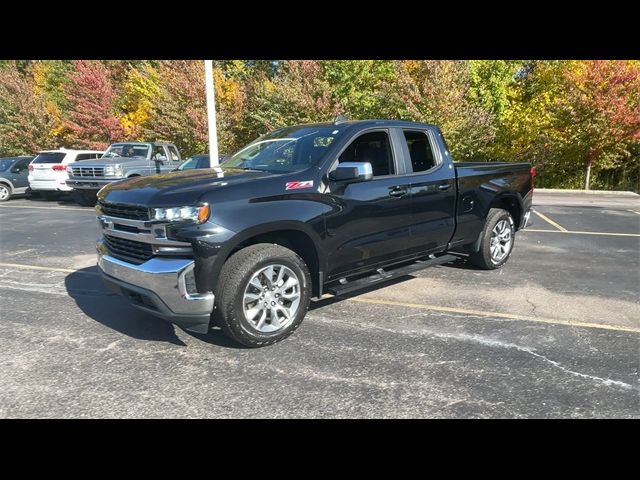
(159, 287)
(90, 184)
(49, 185)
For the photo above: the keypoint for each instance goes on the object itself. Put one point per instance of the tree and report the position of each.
(179, 114)
(437, 91)
(24, 119)
(139, 91)
(92, 122)
(602, 112)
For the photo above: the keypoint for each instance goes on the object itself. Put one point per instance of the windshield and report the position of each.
(127, 150)
(286, 150)
(5, 164)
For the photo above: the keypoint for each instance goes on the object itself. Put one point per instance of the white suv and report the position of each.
(48, 171)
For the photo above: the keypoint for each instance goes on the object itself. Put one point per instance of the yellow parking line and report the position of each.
(583, 233)
(508, 316)
(50, 269)
(549, 221)
(48, 208)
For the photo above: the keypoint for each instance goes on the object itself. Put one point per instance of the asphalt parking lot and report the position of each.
(555, 333)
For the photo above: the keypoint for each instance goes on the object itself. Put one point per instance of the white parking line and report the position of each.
(47, 269)
(49, 208)
(633, 211)
(612, 234)
(549, 221)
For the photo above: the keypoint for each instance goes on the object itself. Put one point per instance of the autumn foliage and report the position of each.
(563, 116)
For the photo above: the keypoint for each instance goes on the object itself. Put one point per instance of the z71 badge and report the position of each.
(297, 185)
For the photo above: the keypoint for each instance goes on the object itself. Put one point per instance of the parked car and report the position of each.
(48, 170)
(13, 176)
(199, 161)
(121, 160)
(303, 211)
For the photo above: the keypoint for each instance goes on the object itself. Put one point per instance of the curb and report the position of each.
(586, 192)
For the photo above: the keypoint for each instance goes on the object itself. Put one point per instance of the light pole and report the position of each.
(211, 113)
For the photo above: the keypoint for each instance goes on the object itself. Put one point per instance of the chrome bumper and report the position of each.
(90, 184)
(159, 287)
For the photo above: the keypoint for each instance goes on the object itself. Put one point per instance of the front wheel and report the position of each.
(263, 294)
(497, 240)
(5, 192)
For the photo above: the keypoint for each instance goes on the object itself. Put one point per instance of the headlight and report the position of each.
(113, 170)
(199, 214)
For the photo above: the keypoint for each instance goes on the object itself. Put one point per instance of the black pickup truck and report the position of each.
(301, 212)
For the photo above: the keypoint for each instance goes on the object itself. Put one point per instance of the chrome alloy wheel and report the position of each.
(271, 298)
(501, 240)
(4, 192)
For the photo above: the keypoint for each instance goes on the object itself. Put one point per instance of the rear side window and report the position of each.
(87, 156)
(422, 158)
(53, 157)
(173, 153)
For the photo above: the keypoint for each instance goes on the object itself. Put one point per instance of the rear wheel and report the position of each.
(48, 195)
(497, 240)
(263, 294)
(5, 192)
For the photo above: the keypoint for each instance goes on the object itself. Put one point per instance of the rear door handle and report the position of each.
(444, 187)
(398, 192)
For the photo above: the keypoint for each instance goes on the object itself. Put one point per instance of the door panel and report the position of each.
(433, 194)
(369, 222)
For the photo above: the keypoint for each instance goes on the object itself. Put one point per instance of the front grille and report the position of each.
(88, 171)
(128, 250)
(131, 212)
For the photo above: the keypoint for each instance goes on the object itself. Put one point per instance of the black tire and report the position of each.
(5, 192)
(49, 195)
(86, 198)
(482, 258)
(234, 278)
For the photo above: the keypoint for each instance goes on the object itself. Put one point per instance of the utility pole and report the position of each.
(211, 113)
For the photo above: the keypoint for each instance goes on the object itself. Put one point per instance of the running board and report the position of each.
(344, 286)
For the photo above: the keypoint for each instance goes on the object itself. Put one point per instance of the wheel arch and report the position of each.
(295, 236)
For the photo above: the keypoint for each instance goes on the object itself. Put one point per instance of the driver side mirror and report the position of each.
(352, 172)
(159, 158)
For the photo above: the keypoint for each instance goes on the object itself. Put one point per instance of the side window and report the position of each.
(173, 154)
(373, 147)
(158, 150)
(84, 156)
(420, 150)
(24, 163)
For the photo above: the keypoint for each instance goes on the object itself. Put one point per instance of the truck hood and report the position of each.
(176, 188)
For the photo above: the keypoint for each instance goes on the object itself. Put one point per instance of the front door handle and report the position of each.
(398, 192)
(444, 187)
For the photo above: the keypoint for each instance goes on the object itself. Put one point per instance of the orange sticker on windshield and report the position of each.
(297, 185)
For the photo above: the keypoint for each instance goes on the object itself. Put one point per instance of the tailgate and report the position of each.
(48, 166)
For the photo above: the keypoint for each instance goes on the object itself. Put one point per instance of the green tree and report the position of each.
(24, 119)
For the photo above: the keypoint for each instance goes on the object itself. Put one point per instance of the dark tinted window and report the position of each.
(203, 162)
(23, 162)
(420, 150)
(6, 163)
(374, 148)
(86, 156)
(54, 157)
